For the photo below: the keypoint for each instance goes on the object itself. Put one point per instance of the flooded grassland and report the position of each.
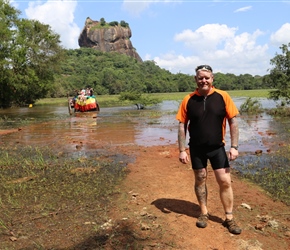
(57, 170)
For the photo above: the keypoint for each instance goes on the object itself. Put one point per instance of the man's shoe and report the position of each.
(232, 226)
(202, 220)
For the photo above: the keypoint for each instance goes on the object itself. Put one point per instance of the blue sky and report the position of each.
(236, 37)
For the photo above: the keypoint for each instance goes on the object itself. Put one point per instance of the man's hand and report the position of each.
(183, 157)
(233, 154)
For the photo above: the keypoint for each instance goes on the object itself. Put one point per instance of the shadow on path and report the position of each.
(190, 209)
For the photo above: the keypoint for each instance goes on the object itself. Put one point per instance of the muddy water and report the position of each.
(86, 132)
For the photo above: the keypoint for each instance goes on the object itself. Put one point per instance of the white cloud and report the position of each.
(13, 3)
(147, 57)
(206, 37)
(60, 16)
(281, 36)
(135, 7)
(178, 63)
(221, 47)
(244, 9)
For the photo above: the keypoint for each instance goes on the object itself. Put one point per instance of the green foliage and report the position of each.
(114, 23)
(224, 81)
(124, 24)
(131, 96)
(241, 82)
(103, 24)
(256, 93)
(114, 73)
(279, 76)
(40, 182)
(148, 100)
(137, 97)
(29, 57)
(281, 110)
(251, 106)
(102, 21)
(275, 177)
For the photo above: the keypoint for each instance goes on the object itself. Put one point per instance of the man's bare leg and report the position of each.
(223, 178)
(201, 195)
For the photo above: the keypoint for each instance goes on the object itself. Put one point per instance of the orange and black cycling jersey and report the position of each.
(206, 117)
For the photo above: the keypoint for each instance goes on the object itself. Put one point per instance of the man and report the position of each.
(204, 114)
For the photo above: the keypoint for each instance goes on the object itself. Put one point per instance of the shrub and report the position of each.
(131, 96)
(281, 110)
(114, 23)
(251, 106)
(102, 21)
(124, 24)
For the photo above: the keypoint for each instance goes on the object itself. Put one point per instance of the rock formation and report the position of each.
(107, 38)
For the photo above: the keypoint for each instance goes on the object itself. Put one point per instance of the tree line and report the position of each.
(113, 73)
(33, 65)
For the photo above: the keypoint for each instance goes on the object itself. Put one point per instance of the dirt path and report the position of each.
(158, 196)
(158, 202)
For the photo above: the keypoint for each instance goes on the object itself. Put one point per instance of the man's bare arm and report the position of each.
(234, 131)
(183, 157)
(182, 128)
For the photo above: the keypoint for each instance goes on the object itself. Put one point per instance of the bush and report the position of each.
(124, 24)
(102, 21)
(138, 99)
(114, 23)
(251, 106)
(131, 96)
(281, 110)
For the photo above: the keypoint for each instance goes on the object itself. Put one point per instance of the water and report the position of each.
(83, 132)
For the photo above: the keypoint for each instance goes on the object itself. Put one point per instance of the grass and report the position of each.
(254, 93)
(259, 93)
(44, 193)
(51, 200)
(113, 100)
(274, 177)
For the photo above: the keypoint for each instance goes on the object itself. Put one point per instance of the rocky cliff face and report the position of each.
(107, 39)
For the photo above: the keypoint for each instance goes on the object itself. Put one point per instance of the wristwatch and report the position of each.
(235, 147)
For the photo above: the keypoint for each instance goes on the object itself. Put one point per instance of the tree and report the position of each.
(114, 23)
(102, 21)
(183, 82)
(246, 81)
(225, 81)
(279, 76)
(114, 73)
(124, 24)
(29, 58)
(8, 19)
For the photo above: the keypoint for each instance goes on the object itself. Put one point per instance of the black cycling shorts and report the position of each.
(217, 157)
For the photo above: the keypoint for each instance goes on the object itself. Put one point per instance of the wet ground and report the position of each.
(82, 133)
(157, 181)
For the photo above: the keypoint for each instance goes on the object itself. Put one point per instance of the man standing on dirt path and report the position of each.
(204, 113)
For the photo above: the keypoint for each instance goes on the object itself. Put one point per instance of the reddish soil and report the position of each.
(3, 132)
(157, 200)
(159, 194)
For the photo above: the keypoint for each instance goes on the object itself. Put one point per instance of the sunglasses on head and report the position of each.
(205, 67)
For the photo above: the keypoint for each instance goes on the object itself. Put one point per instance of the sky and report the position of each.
(238, 37)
